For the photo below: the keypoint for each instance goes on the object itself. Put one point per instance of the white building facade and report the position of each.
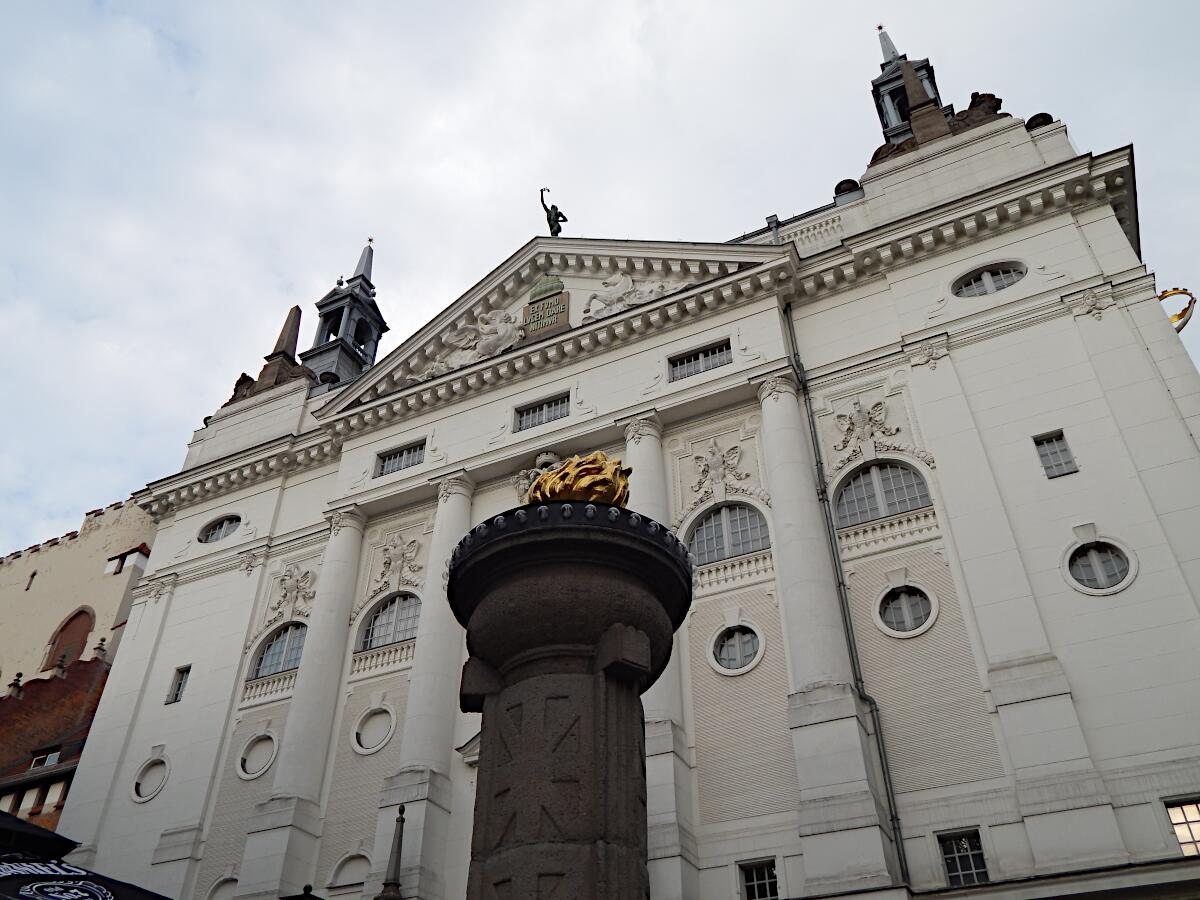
(934, 446)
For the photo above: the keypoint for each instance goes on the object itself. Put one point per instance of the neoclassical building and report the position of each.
(933, 445)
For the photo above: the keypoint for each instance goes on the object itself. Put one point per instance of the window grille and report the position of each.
(220, 529)
(393, 621)
(1055, 455)
(962, 855)
(729, 531)
(989, 280)
(178, 683)
(701, 360)
(1098, 565)
(282, 652)
(541, 413)
(1185, 819)
(759, 882)
(395, 460)
(905, 608)
(736, 647)
(884, 489)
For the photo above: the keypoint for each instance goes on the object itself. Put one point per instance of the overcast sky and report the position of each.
(175, 176)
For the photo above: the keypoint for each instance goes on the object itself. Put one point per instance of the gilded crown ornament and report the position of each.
(590, 479)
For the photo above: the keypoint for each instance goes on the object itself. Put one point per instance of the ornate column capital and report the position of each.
(456, 483)
(346, 517)
(643, 425)
(777, 384)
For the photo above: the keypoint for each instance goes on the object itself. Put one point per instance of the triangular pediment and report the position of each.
(551, 286)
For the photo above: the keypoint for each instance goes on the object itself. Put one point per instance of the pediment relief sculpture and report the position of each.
(291, 598)
(860, 425)
(718, 476)
(619, 292)
(399, 562)
(492, 333)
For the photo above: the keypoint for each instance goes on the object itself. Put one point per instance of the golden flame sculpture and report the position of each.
(589, 479)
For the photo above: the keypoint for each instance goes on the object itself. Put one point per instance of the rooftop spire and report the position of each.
(289, 335)
(890, 52)
(363, 269)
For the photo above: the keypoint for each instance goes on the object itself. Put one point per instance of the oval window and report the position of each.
(220, 529)
(150, 779)
(736, 647)
(257, 756)
(1098, 566)
(989, 279)
(905, 609)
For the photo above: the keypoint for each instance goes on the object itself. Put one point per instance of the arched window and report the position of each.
(394, 620)
(729, 531)
(70, 640)
(882, 489)
(282, 652)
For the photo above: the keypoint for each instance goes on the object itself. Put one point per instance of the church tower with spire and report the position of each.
(898, 97)
(349, 328)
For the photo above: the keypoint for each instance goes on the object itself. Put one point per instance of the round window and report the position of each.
(150, 780)
(905, 609)
(373, 731)
(736, 647)
(220, 529)
(1098, 566)
(257, 756)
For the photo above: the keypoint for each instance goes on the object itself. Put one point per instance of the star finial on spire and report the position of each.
(370, 240)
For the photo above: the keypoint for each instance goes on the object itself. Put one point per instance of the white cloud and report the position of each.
(178, 175)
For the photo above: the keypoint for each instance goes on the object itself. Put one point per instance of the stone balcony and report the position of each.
(882, 534)
(734, 572)
(268, 688)
(382, 659)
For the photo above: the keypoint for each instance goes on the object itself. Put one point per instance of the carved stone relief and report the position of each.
(619, 292)
(492, 333)
(546, 461)
(715, 468)
(291, 597)
(860, 422)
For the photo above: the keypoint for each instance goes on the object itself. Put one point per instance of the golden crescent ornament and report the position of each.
(1181, 318)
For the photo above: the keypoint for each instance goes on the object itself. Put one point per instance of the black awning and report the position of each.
(23, 877)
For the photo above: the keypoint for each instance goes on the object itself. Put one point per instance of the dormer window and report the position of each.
(989, 279)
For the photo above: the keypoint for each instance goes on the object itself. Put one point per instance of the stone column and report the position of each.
(845, 827)
(422, 783)
(669, 806)
(569, 608)
(281, 843)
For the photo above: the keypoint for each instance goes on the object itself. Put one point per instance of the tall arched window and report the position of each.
(879, 490)
(394, 620)
(282, 652)
(70, 640)
(729, 531)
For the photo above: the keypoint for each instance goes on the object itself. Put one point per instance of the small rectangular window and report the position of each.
(541, 413)
(178, 683)
(1185, 819)
(395, 460)
(701, 360)
(1055, 454)
(962, 854)
(759, 882)
(45, 759)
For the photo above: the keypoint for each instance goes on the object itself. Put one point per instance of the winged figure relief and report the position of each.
(860, 425)
(492, 333)
(717, 466)
(618, 292)
(295, 589)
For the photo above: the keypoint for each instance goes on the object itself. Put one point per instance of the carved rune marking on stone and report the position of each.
(522, 748)
(860, 425)
(718, 466)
